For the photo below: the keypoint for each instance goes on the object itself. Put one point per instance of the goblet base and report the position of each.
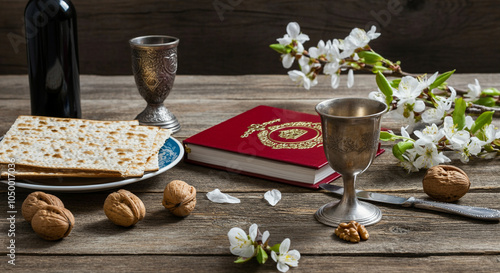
(159, 115)
(334, 213)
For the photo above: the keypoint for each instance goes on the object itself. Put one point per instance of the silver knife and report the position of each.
(472, 212)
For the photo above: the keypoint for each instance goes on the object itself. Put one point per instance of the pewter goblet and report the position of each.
(351, 129)
(154, 63)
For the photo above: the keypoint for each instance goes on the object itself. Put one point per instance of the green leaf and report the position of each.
(459, 113)
(280, 48)
(370, 57)
(261, 255)
(484, 119)
(378, 68)
(276, 248)
(384, 86)
(400, 148)
(441, 79)
(395, 83)
(486, 101)
(491, 92)
(241, 260)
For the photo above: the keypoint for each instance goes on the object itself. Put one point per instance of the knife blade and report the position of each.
(467, 211)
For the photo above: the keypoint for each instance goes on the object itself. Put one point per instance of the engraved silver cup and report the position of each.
(351, 130)
(154, 64)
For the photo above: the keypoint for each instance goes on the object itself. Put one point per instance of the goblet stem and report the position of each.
(349, 197)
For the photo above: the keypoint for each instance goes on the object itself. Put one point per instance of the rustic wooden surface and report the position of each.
(405, 240)
(233, 36)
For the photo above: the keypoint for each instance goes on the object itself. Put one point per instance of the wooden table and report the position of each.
(405, 240)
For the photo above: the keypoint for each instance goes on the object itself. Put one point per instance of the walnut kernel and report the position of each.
(53, 222)
(179, 198)
(38, 200)
(124, 208)
(445, 183)
(352, 232)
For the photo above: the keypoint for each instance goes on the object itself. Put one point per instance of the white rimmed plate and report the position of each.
(170, 154)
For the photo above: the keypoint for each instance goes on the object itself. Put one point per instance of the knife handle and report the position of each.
(472, 212)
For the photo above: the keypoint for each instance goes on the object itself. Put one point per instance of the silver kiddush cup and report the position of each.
(351, 131)
(154, 64)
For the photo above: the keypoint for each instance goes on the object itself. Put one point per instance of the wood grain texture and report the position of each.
(224, 264)
(405, 240)
(233, 36)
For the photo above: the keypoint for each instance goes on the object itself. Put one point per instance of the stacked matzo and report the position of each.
(51, 147)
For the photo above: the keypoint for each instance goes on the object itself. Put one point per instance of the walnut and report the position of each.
(179, 198)
(53, 222)
(123, 208)
(352, 232)
(38, 200)
(446, 183)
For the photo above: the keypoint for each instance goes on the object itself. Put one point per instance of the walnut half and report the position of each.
(352, 232)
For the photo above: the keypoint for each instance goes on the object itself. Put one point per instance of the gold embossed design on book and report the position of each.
(283, 136)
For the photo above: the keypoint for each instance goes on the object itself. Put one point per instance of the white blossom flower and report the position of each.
(286, 258)
(358, 38)
(377, 95)
(431, 134)
(293, 34)
(490, 133)
(241, 244)
(409, 164)
(457, 138)
(472, 147)
(428, 156)
(424, 82)
(435, 115)
(294, 38)
(302, 79)
(332, 51)
(321, 50)
(407, 92)
(474, 90)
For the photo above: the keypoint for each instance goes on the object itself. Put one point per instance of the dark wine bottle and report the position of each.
(52, 49)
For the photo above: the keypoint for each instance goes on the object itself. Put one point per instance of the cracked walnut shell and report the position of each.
(445, 183)
(124, 208)
(53, 222)
(179, 198)
(352, 232)
(36, 201)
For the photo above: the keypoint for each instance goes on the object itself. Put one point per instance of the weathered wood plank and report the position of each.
(197, 88)
(224, 264)
(408, 232)
(232, 37)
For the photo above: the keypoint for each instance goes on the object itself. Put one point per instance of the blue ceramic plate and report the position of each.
(170, 154)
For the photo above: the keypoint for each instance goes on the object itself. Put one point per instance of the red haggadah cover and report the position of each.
(271, 133)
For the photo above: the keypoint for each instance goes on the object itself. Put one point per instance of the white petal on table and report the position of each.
(273, 197)
(217, 196)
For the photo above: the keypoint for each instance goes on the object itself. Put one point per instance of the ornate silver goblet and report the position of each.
(154, 64)
(351, 129)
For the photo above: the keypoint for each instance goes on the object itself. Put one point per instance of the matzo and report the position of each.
(79, 145)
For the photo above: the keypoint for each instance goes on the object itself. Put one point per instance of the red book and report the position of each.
(266, 142)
